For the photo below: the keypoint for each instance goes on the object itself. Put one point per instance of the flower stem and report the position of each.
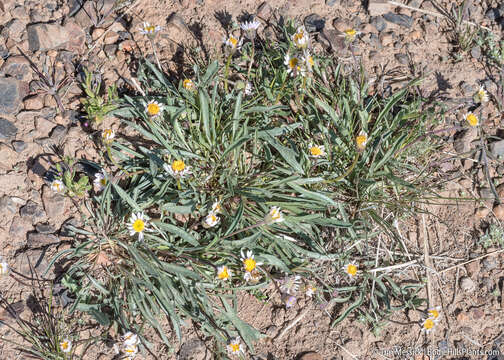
(226, 72)
(155, 54)
(245, 229)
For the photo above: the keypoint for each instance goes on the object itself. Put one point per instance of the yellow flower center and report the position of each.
(224, 274)
(428, 324)
(434, 313)
(293, 63)
(310, 60)
(178, 165)
(188, 84)
(361, 140)
(138, 225)
(275, 214)
(250, 264)
(233, 41)
(472, 120)
(153, 109)
(64, 345)
(350, 32)
(298, 37)
(107, 133)
(57, 186)
(213, 218)
(351, 270)
(316, 151)
(130, 349)
(103, 182)
(150, 29)
(234, 348)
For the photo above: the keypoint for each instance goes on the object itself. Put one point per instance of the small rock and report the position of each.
(486, 194)
(497, 148)
(331, 2)
(264, 11)
(45, 228)
(54, 203)
(492, 14)
(58, 133)
(331, 39)
(17, 67)
(379, 7)
(499, 211)
(192, 349)
(476, 52)
(399, 19)
(310, 356)
(7, 129)
(489, 263)
(110, 50)
(473, 268)
(477, 313)
(387, 38)
(462, 317)
(7, 204)
(97, 33)
(37, 240)
(8, 157)
(467, 284)
(467, 89)
(86, 15)
(482, 212)
(15, 29)
(32, 211)
(9, 96)
(341, 25)
(402, 58)
(314, 23)
(18, 229)
(176, 24)
(111, 38)
(500, 191)
(463, 140)
(32, 261)
(34, 103)
(44, 37)
(379, 23)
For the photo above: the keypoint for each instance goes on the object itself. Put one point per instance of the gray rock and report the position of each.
(37, 239)
(264, 11)
(75, 6)
(32, 211)
(110, 49)
(486, 193)
(19, 146)
(467, 89)
(58, 133)
(476, 52)
(45, 37)
(467, 284)
(32, 261)
(45, 228)
(497, 148)
(18, 229)
(17, 67)
(7, 204)
(7, 129)
(314, 22)
(399, 19)
(331, 2)
(379, 23)
(9, 96)
(54, 203)
(490, 263)
(492, 14)
(402, 58)
(192, 349)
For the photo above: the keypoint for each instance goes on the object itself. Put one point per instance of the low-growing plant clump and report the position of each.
(272, 165)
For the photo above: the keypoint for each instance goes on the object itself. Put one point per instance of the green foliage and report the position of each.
(250, 153)
(96, 104)
(492, 48)
(76, 185)
(494, 236)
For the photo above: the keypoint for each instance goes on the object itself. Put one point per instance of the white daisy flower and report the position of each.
(65, 345)
(153, 108)
(351, 270)
(428, 325)
(308, 61)
(481, 96)
(301, 38)
(293, 64)
(232, 42)
(235, 347)
(138, 224)
(471, 119)
(310, 291)
(211, 220)
(130, 350)
(224, 273)
(108, 135)
(317, 150)
(130, 338)
(188, 84)
(58, 186)
(100, 180)
(351, 34)
(216, 207)
(361, 140)
(4, 267)
(149, 30)
(177, 169)
(253, 277)
(249, 263)
(290, 284)
(248, 89)
(250, 28)
(274, 216)
(434, 313)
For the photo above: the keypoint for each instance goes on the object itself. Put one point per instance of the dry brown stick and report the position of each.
(427, 260)
(436, 14)
(470, 261)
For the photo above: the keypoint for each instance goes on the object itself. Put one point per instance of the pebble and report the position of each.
(111, 38)
(34, 103)
(467, 284)
(314, 23)
(45, 228)
(331, 2)
(402, 58)
(110, 49)
(19, 146)
(15, 29)
(18, 229)
(379, 23)
(6, 203)
(489, 263)
(192, 349)
(482, 212)
(10, 101)
(387, 38)
(17, 67)
(497, 148)
(476, 52)
(58, 133)
(54, 203)
(399, 19)
(379, 7)
(492, 14)
(176, 24)
(7, 129)
(44, 37)
(264, 11)
(32, 260)
(32, 211)
(310, 356)
(97, 33)
(37, 239)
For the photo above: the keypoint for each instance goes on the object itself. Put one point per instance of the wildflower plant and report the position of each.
(236, 195)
